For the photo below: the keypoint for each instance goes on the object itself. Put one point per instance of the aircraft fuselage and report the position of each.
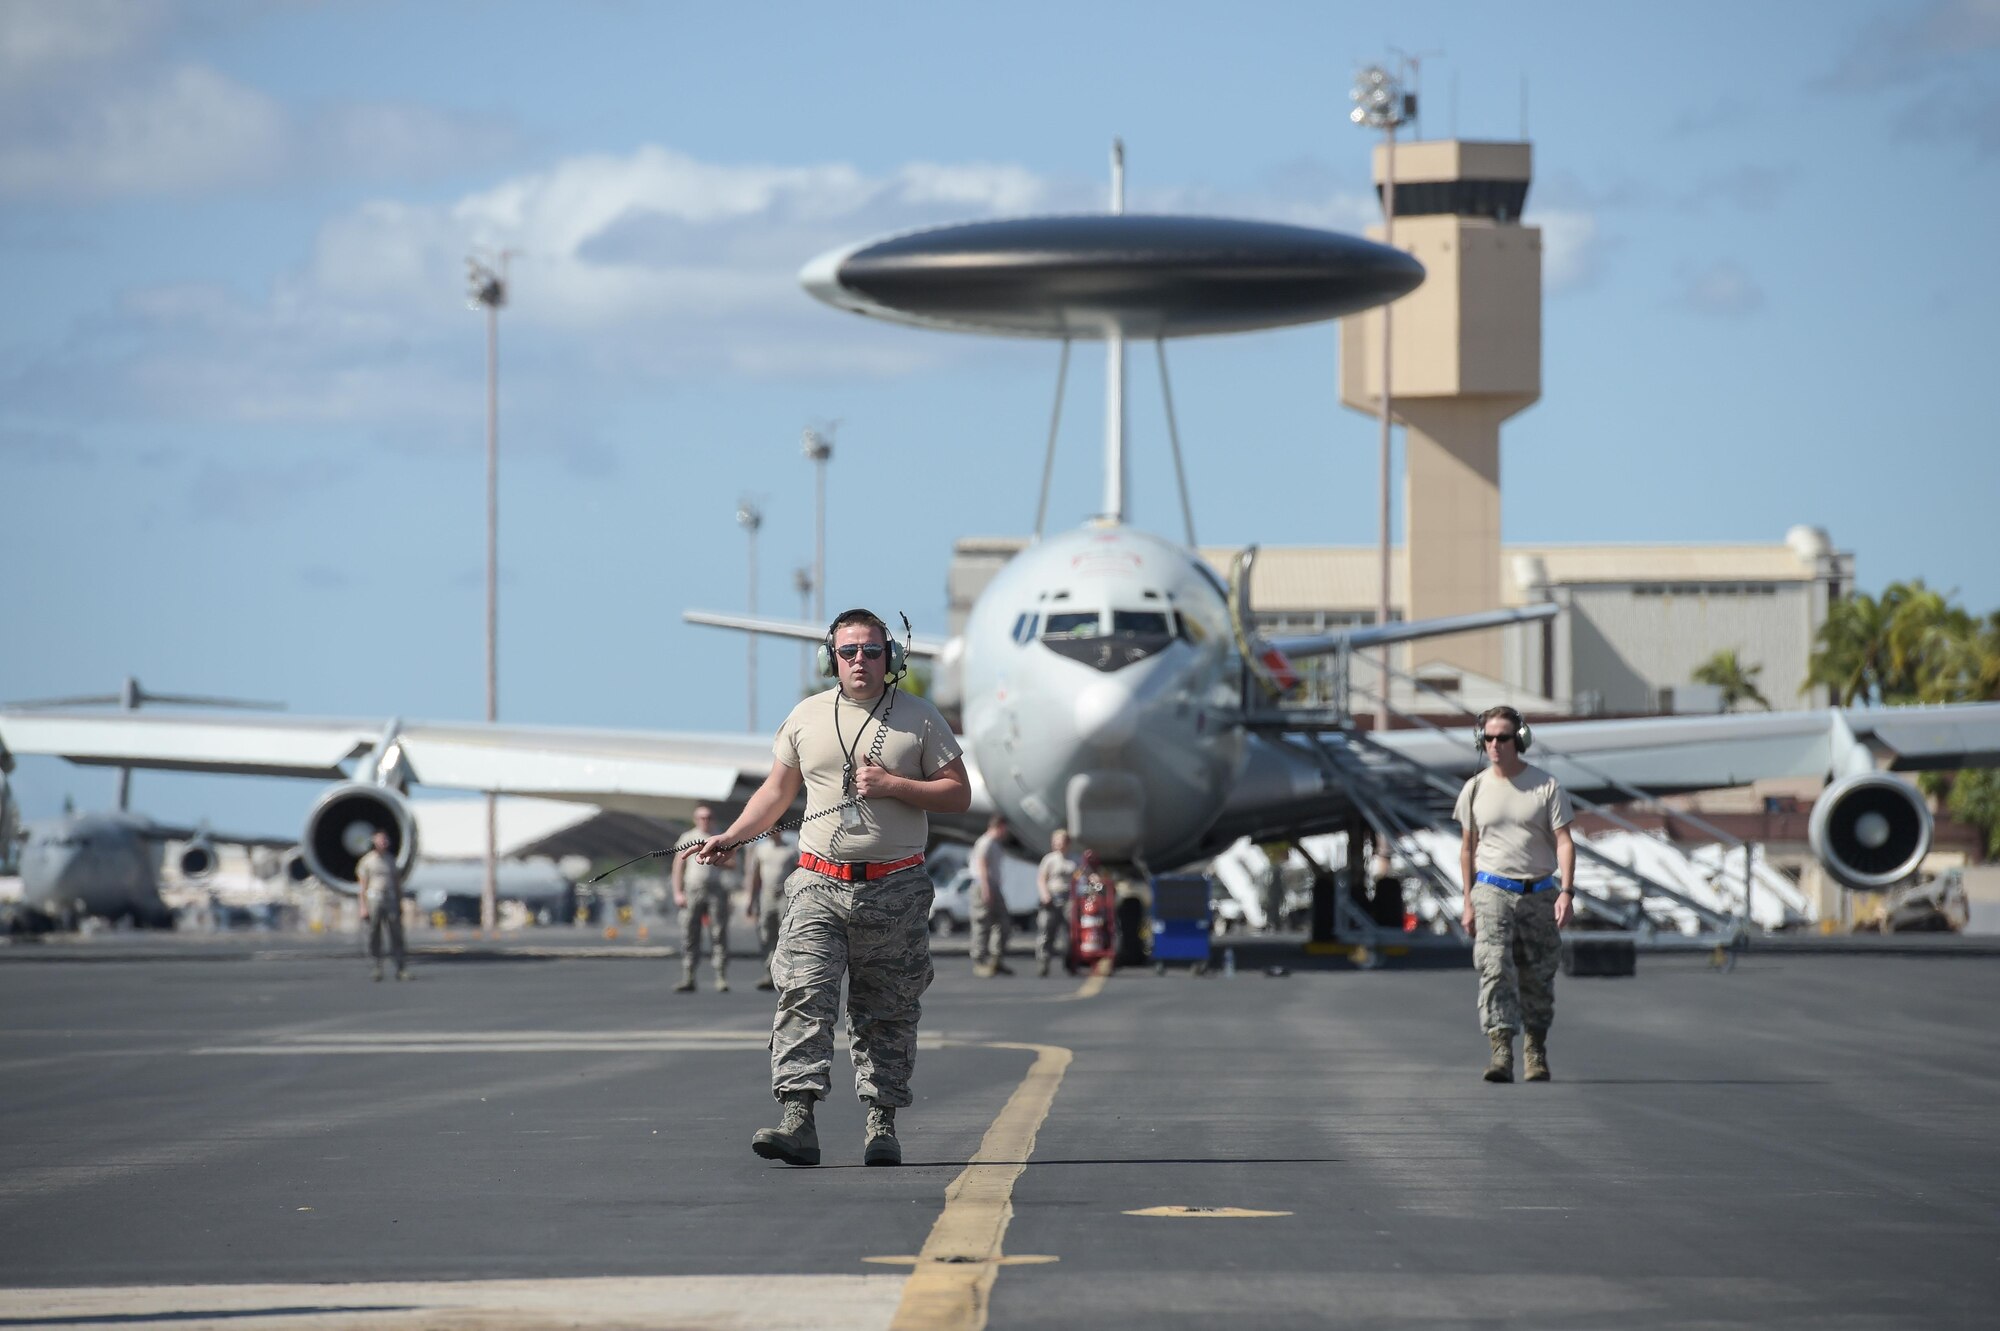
(1101, 693)
(91, 864)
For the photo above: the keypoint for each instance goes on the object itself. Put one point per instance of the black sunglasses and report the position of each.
(1508, 738)
(848, 651)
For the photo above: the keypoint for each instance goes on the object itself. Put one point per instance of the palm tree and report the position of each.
(1852, 652)
(1737, 681)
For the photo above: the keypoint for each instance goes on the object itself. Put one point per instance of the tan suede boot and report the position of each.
(1501, 1066)
(1535, 1056)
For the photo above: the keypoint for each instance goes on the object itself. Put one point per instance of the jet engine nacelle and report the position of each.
(1871, 831)
(341, 829)
(197, 858)
(294, 869)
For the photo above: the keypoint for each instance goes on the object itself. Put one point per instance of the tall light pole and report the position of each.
(803, 584)
(487, 289)
(750, 518)
(1379, 103)
(819, 448)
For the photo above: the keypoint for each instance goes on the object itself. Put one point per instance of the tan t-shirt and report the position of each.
(774, 862)
(381, 882)
(1515, 821)
(916, 743)
(1054, 875)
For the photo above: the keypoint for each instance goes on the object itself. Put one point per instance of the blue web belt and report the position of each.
(1514, 884)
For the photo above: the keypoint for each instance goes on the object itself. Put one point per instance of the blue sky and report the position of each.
(241, 396)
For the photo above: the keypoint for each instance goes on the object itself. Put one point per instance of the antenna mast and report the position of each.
(1114, 373)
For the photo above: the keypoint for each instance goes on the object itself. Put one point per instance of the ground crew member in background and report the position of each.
(1054, 877)
(381, 884)
(704, 889)
(990, 925)
(770, 865)
(874, 762)
(1516, 842)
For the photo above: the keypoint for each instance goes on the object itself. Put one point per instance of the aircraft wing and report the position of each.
(156, 831)
(657, 773)
(1326, 644)
(920, 646)
(1669, 754)
(1286, 789)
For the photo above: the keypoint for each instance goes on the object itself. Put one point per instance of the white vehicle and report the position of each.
(951, 910)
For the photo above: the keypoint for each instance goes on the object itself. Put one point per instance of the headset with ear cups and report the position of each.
(1524, 736)
(898, 654)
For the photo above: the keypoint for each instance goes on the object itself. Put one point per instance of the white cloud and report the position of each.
(644, 267)
(50, 39)
(1572, 249)
(1722, 289)
(189, 130)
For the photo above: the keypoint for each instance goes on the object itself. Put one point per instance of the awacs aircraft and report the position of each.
(1106, 679)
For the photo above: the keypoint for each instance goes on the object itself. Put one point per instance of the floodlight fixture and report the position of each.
(1378, 100)
(485, 289)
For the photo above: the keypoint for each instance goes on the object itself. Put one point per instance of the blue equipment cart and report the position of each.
(1181, 921)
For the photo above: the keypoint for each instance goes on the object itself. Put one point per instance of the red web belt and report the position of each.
(849, 870)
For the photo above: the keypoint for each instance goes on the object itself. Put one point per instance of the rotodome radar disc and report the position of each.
(1084, 276)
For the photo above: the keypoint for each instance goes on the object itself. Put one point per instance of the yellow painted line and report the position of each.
(1011, 1259)
(951, 1288)
(1208, 1212)
(1093, 985)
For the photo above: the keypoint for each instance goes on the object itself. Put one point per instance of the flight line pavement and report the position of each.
(277, 1142)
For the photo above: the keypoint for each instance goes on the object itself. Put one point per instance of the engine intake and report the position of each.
(1871, 831)
(197, 859)
(342, 825)
(295, 869)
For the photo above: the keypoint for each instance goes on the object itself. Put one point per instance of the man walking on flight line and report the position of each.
(874, 762)
(703, 889)
(1054, 877)
(1516, 819)
(770, 865)
(381, 884)
(990, 922)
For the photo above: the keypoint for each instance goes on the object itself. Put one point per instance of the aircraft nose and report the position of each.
(1104, 713)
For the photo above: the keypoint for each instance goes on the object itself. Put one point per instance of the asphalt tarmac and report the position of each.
(237, 1135)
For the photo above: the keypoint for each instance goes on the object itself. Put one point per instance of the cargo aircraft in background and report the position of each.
(1108, 680)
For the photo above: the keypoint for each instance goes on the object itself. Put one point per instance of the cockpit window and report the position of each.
(1071, 624)
(1151, 622)
(1024, 626)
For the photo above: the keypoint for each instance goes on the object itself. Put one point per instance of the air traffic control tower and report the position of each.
(1466, 353)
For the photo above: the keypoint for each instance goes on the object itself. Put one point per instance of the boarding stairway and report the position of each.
(1408, 806)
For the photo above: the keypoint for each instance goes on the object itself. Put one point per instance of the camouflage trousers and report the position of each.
(768, 922)
(387, 921)
(1516, 949)
(1050, 921)
(990, 928)
(877, 935)
(713, 902)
